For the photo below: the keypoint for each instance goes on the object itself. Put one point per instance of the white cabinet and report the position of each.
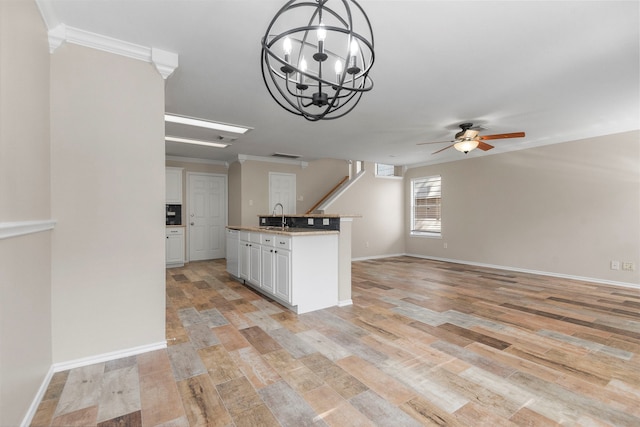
(282, 274)
(244, 262)
(174, 248)
(173, 186)
(255, 261)
(268, 269)
(300, 271)
(233, 248)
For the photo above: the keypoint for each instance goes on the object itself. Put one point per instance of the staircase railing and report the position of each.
(326, 196)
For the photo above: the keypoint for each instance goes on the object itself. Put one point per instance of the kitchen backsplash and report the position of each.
(319, 223)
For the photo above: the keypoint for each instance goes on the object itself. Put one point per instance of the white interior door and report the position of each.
(207, 215)
(282, 189)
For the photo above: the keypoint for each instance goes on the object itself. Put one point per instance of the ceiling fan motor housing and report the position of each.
(465, 127)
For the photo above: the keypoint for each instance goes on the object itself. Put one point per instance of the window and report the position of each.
(388, 170)
(426, 206)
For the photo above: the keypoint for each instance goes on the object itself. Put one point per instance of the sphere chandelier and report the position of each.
(314, 63)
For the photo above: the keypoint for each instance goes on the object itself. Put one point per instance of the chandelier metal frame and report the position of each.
(325, 34)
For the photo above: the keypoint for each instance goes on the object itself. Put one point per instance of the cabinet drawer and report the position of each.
(244, 235)
(283, 242)
(268, 239)
(175, 231)
(254, 237)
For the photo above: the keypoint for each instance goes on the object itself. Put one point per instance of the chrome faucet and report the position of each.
(274, 213)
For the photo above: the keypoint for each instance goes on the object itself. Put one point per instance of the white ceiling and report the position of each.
(558, 70)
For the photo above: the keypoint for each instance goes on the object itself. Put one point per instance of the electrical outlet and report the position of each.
(615, 265)
(445, 245)
(628, 266)
(309, 221)
(325, 221)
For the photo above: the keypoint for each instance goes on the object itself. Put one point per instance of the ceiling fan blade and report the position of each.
(502, 136)
(436, 142)
(484, 146)
(442, 149)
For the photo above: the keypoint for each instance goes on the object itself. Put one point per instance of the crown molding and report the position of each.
(243, 157)
(164, 61)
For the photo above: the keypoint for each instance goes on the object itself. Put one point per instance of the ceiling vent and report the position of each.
(226, 138)
(286, 156)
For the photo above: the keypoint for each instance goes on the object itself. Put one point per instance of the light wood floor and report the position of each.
(425, 343)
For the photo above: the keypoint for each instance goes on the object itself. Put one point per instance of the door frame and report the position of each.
(187, 242)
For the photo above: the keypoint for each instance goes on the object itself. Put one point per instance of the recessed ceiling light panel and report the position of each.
(191, 121)
(195, 142)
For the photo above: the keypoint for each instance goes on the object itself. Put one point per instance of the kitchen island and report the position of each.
(298, 267)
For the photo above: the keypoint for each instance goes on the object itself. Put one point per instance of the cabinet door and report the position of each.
(245, 260)
(283, 275)
(233, 245)
(173, 185)
(268, 264)
(174, 250)
(255, 269)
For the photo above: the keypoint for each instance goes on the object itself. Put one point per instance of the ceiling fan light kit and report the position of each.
(314, 63)
(468, 139)
(466, 145)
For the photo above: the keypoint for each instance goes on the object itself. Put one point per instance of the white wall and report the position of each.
(107, 179)
(565, 209)
(25, 261)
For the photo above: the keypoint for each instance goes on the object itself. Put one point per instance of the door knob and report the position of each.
(193, 223)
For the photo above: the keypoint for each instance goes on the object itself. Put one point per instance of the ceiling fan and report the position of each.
(468, 139)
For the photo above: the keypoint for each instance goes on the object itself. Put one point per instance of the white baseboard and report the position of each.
(346, 302)
(31, 412)
(85, 361)
(524, 270)
(502, 267)
(105, 357)
(365, 258)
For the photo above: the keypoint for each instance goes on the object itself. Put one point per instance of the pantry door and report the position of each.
(206, 215)
(282, 189)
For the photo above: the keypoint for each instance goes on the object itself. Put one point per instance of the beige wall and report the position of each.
(312, 183)
(25, 261)
(108, 179)
(566, 209)
(234, 194)
(379, 231)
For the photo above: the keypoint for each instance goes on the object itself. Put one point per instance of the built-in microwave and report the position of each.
(174, 214)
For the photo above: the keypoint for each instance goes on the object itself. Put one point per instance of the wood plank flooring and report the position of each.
(425, 343)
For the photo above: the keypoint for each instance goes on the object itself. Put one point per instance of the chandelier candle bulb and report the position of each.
(303, 69)
(322, 35)
(353, 69)
(286, 47)
(338, 69)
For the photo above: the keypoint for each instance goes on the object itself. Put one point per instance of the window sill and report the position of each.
(426, 234)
